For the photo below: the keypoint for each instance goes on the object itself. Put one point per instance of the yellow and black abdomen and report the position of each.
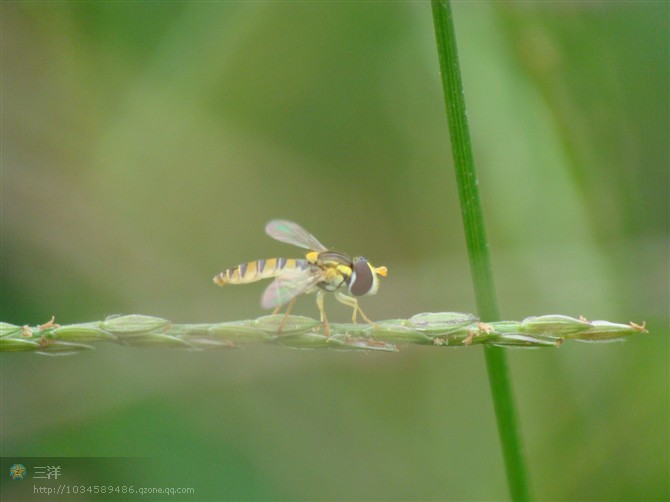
(258, 270)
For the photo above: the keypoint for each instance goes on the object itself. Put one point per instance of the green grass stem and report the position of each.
(434, 329)
(478, 251)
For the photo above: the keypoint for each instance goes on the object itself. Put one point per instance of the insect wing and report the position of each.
(289, 285)
(292, 233)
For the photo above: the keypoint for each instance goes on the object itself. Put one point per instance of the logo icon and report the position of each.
(17, 471)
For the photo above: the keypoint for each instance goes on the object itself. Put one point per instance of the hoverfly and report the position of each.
(321, 270)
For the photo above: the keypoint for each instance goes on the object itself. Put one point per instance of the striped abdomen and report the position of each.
(257, 270)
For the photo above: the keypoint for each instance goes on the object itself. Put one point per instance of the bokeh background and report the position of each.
(145, 145)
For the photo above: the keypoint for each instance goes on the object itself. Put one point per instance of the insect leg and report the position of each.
(352, 302)
(288, 311)
(322, 312)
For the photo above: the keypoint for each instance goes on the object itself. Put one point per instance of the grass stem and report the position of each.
(478, 251)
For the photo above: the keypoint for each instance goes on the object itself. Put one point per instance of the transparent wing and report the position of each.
(289, 285)
(292, 233)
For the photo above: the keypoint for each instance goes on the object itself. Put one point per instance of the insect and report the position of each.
(321, 270)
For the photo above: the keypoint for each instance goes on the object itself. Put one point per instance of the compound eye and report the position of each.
(362, 279)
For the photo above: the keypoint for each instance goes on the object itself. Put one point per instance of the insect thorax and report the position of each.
(337, 266)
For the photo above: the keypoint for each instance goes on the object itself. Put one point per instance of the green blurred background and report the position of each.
(145, 145)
